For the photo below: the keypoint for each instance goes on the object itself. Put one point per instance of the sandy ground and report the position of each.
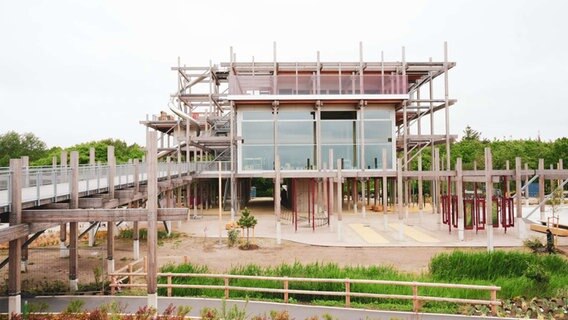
(45, 263)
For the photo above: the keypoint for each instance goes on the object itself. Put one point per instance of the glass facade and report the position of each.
(257, 131)
(294, 135)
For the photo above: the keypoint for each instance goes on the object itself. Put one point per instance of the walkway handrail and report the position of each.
(347, 293)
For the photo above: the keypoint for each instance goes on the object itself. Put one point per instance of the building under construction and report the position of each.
(301, 122)
(332, 136)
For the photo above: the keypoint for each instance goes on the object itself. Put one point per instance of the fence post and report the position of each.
(493, 301)
(130, 271)
(226, 287)
(112, 285)
(347, 292)
(145, 265)
(285, 289)
(169, 285)
(415, 302)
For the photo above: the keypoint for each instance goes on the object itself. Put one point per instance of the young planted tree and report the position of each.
(247, 221)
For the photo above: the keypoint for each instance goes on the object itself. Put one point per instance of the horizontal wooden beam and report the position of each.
(85, 215)
(14, 232)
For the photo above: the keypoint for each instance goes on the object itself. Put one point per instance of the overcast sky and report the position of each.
(76, 71)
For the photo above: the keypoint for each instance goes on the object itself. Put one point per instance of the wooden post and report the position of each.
(220, 208)
(63, 251)
(169, 279)
(415, 301)
(152, 207)
(385, 190)
(489, 199)
(526, 183)
(420, 191)
(339, 200)
(130, 270)
(507, 186)
(520, 223)
(437, 185)
(347, 293)
(277, 200)
(135, 229)
(92, 158)
(400, 197)
(226, 280)
(110, 224)
(285, 289)
(15, 246)
(73, 226)
(494, 302)
(541, 188)
(459, 191)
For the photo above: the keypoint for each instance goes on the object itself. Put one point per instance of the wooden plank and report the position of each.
(556, 231)
(112, 215)
(86, 203)
(14, 232)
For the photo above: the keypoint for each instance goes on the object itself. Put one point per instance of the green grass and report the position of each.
(505, 269)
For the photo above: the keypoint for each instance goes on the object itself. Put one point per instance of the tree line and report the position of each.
(470, 148)
(15, 145)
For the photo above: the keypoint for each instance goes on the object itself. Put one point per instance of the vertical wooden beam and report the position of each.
(507, 186)
(277, 200)
(15, 246)
(110, 225)
(489, 199)
(400, 196)
(385, 189)
(220, 182)
(339, 200)
(446, 105)
(541, 188)
(434, 181)
(152, 207)
(73, 226)
(437, 186)
(526, 183)
(420, 191)
(459, 191)
(63, 251)
(520, 223)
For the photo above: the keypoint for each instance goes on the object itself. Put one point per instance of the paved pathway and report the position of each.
(299, 312)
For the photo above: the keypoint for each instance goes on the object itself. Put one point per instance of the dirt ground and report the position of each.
(45, 263)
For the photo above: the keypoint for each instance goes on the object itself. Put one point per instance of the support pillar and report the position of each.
(15, 246)
(520, 223)
(73, 226)
(400, 196)
(152, 207)
(110, 225)
(541, 188)
(488, 199)
(459, 191)
(277, 207)
(385, 191)
(339, 201)
(420, 190)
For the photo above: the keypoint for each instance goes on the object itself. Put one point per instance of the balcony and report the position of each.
(302, 84)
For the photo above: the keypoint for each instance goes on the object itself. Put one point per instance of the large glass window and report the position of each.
(378, 137)
(296, 139)
(340, 131)
(257, 131)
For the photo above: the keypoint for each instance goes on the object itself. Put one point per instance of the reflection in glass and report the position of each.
(260, 157)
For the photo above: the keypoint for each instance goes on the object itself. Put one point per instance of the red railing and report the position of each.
(311, 84)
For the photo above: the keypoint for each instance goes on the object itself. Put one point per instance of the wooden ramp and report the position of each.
(555, 231)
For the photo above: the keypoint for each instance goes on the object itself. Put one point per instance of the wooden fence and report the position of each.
(347, 293)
